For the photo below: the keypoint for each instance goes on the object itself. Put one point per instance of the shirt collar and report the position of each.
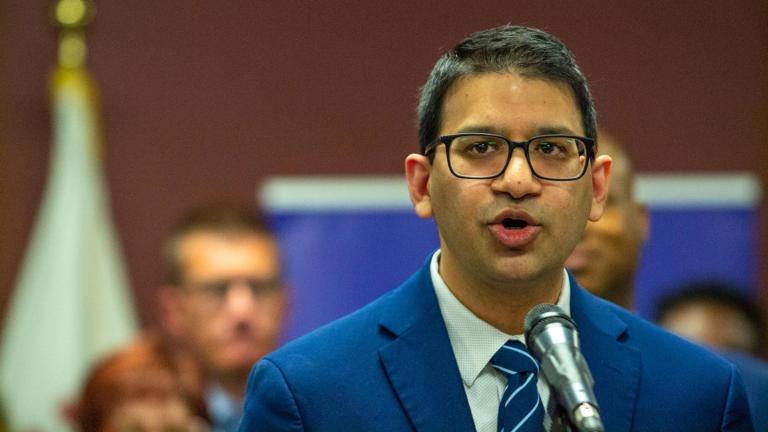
(473, 340)
(222, 408)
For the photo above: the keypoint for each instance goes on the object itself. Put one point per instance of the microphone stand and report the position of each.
(559, 418)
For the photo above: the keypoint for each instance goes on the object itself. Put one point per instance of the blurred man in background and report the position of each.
(606, 259)
(224, 300)
(716, 315)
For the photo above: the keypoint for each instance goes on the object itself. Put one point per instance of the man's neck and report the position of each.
(233, 386)
(503, 306)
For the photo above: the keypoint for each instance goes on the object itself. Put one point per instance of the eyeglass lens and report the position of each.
(218, 288)
(486, 156)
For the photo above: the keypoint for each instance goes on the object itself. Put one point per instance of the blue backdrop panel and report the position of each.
(346, 242)
(697, 243)
(338, 261)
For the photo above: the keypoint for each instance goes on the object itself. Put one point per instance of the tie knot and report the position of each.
(513, 358)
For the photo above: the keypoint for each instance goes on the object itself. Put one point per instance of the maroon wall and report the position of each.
(203, 99)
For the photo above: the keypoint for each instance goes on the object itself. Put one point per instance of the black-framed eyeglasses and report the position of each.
(486, 156)
(215, 290)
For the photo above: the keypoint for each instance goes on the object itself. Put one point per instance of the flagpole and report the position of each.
(71, 304)
(72, 17)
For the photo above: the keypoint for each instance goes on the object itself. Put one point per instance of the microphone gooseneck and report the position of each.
(552, 338)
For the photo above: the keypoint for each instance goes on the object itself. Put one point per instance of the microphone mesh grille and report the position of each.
(537, 312)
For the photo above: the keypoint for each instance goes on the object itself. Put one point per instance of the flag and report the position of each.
(71, 303)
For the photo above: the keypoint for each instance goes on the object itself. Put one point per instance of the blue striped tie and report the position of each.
(520, 409)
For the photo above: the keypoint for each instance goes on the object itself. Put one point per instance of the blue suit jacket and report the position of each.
(390, 367)
(755, 374)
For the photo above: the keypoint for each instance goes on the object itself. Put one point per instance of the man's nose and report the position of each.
(240, 298)
(517, 179)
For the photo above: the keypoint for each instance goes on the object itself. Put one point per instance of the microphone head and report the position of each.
(541, 315)
(553, 340)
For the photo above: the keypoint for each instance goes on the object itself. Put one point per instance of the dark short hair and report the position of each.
(714, 292)
(224, 219)
(530, 52)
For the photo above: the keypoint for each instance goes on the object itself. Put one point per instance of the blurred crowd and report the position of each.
(222, 309)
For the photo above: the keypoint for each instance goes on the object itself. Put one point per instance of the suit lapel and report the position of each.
(421, 366)
(420, 363)
(615, 365)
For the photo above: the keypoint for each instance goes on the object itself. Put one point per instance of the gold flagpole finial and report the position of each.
(72, 16)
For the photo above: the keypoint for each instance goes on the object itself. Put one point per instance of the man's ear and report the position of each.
(286, 303)
(601, 182)
(642, 221)
(171, 313)
(417, 170)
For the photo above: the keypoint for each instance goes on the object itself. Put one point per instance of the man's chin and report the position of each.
(577, 263)
(235, 369)
(235, 361)
(590, 283)
(583, 276)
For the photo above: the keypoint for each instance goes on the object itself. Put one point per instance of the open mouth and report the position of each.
(509, 223)
(515, 229)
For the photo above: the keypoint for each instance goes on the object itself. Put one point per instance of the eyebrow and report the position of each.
(555, 130)
(481, 129)
(544, 130)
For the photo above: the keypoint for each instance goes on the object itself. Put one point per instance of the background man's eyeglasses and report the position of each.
(216, 290)
(486, 156)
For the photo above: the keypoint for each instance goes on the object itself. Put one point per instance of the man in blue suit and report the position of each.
(509, 171)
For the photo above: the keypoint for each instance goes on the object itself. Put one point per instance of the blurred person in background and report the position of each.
(223, 301)
(143, 387)
(716, 315)
(606, 259)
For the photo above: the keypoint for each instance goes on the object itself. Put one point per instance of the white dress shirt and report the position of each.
(474, 343)
(225, 411)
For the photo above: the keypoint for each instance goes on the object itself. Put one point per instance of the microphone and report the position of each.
(552, 338)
